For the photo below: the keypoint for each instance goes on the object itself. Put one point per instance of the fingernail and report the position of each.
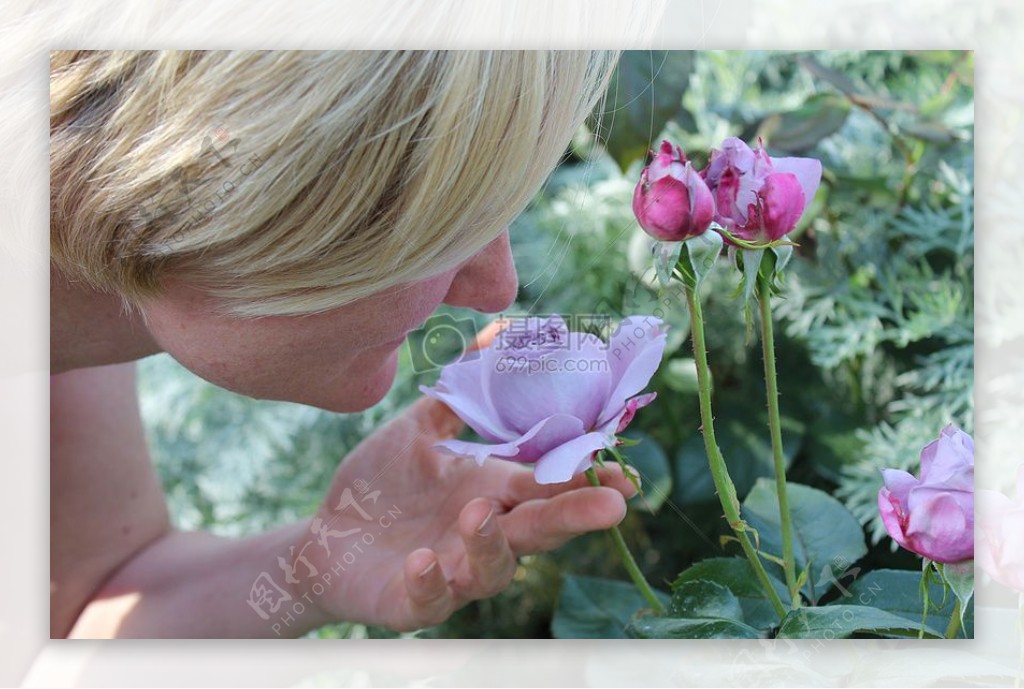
(486, 527)
(428, 570)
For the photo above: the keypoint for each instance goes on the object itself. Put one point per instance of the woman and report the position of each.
(278, 222)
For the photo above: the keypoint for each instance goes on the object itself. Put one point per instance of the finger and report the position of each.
(523, 486)
(540, 525)
(430, 597)
(490, 559)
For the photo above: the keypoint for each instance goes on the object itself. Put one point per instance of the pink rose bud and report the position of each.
(672, 202)
(759, 198)
(934, 516)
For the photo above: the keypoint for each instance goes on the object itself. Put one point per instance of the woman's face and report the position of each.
(343, 360)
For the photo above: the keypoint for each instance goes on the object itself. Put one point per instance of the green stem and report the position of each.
(953, 630)
(719, 471)
(627, 559)
(775, 428)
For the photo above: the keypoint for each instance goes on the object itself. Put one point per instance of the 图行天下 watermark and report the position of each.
(273, 596)
(194, 200)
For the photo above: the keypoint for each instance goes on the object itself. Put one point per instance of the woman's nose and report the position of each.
(488, 281)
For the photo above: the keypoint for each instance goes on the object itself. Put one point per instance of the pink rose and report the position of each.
(545, 395)
(934, 516)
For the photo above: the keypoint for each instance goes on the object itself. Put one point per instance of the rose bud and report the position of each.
(672, 202)
(757, 197)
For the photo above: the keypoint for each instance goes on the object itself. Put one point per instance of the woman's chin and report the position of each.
(362, 387)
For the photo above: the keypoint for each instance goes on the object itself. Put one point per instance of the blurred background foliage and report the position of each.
(876, 334)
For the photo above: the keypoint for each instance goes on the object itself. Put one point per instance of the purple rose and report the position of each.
(934, 516)
(757, 197)
(1001, 525)
(671, 201)
(543, 394)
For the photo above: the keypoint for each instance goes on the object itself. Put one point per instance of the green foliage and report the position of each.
(649, 459)
(736, 575)
(826, 537)
(678, 628)
(590, 608)
(843, 621)
(646, 92)
(898, 591)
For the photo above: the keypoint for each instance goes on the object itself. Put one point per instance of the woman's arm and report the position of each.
(116, 566)
(197, 585)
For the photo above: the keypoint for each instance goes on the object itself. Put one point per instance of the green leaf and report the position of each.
(702, 251)
(635, 112)
(751, 266)
(647, 457)
(666, 256)
(843, 621)
(703, 598)
(827, 539)
(591, 608)
(735, 574)
(797, 131)
(927, 130)
(897, 591)
(783, 253)
(649, 627)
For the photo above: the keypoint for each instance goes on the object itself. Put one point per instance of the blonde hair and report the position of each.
(294, 182)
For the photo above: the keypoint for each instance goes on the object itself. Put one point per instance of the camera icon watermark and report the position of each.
(440, 341)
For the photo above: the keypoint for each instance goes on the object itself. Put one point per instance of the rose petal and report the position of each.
(562, 463)
(892, 512)
(479, 452)
(663, 208)
(553, 431)
(619, 423)
(899, 483)
(806, 170)
(938, 527)
(471, 404)
(781, 203)
(529, 385)
(634, 354)
(546, 434)
(947, 462)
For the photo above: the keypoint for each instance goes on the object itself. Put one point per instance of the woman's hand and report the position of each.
(407, 534)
